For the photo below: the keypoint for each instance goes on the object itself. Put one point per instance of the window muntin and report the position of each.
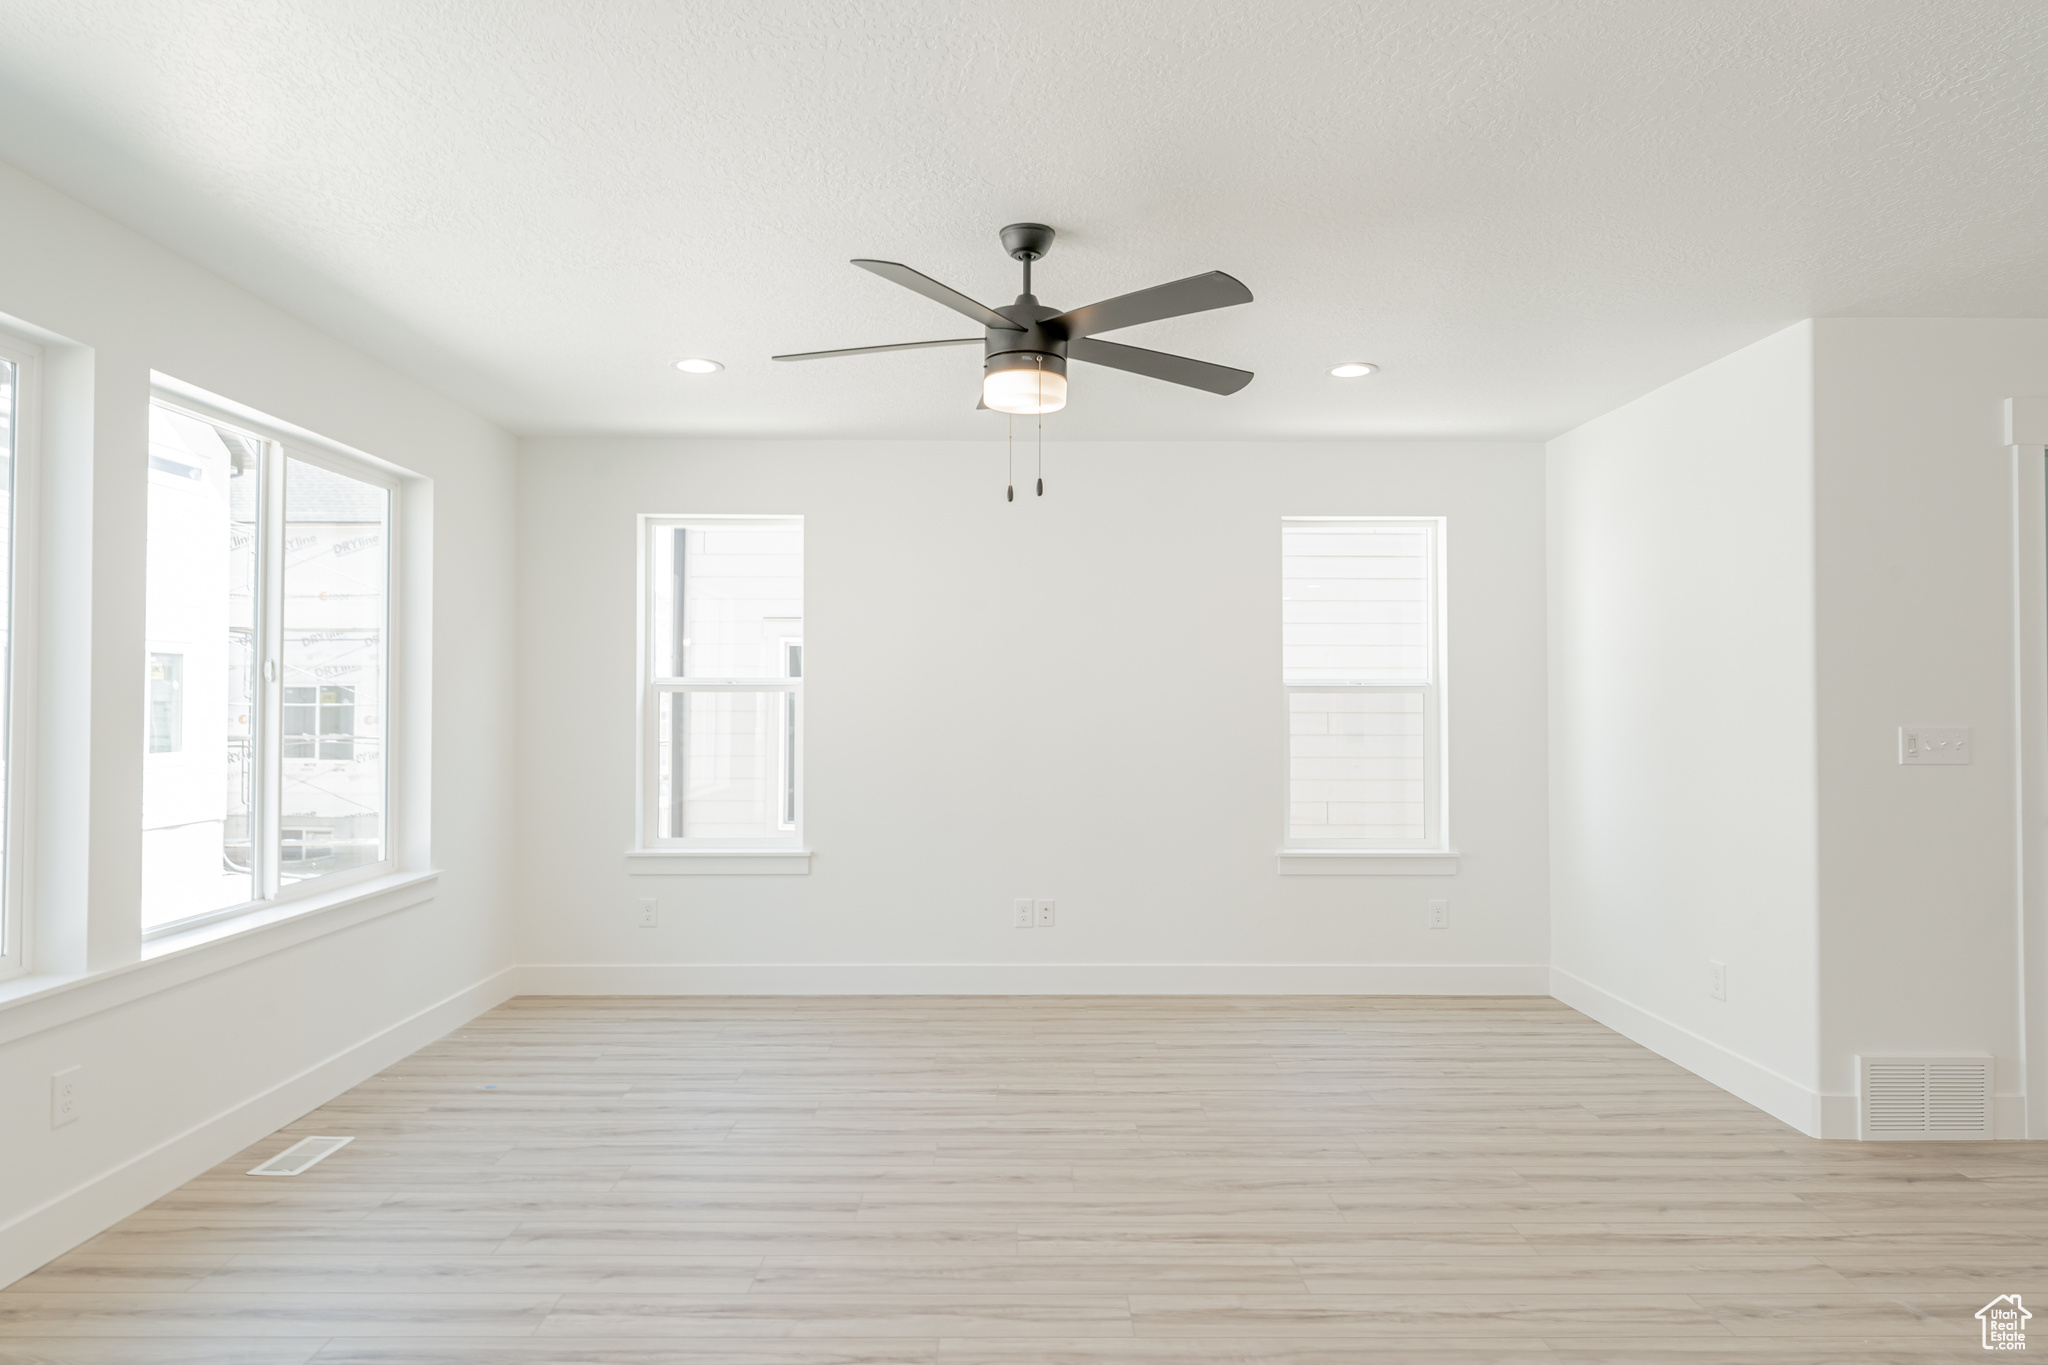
(722, 681)
(1361, 661)
(268, 618)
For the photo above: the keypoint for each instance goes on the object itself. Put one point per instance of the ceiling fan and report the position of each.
(1027, 345)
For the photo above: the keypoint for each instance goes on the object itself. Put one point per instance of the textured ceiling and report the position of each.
(1527, 212)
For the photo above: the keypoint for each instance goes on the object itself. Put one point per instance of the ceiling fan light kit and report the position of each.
(1023, 388)
(1026, 345)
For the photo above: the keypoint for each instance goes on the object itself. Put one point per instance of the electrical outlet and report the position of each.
(63, 1096)
(1439, 914)
(1025, 919)
(1045, 914)
(650, 913)
(1717, 981)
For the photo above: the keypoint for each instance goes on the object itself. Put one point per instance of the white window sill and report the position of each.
(718, 862)
(1368, 862)
(29, 1004)
(299, 907)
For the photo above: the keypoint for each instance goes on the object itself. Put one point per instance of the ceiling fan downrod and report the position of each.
(1027, 242)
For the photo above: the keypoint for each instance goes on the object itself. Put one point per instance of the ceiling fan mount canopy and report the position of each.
(1026, 345)
(1027, 241)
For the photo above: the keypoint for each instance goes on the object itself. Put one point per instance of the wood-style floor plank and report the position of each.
(1042, 1181)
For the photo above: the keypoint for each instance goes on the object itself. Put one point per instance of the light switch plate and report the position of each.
(1045, 909)
(1934, 744)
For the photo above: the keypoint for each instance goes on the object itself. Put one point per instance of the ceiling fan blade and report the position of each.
(1174, 369)
(1195, 294)
(939, 293)
(870, 350)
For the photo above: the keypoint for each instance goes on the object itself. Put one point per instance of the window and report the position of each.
(268, 619)
(1361, 610)
(17, 394)
(722, 682)
(320, 722)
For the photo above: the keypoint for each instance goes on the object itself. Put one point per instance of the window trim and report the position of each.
(652, 851)
(1434, 852)
(17, 924)
(285, 442)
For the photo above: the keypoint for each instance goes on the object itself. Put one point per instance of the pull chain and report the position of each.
(1010, 495)
(1041, 426)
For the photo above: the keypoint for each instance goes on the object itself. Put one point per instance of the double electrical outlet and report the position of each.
(1032, 914)
(63, 1096)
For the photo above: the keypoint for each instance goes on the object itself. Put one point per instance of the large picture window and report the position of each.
(1362, 624)
(268, 623)
(722, 682)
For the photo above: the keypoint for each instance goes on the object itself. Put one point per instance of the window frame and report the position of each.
(17, 724)
(653, 686)
(1434, 690)
(281, 443)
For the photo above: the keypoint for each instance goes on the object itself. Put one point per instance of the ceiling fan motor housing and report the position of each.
(1033, 346)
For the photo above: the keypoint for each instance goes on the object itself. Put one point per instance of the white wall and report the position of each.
(1682, 755)
(175, 1078)
(1918, 925)
(1759, 573)
(1075, 697)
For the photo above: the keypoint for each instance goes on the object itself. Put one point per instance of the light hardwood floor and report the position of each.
(1037, 1181)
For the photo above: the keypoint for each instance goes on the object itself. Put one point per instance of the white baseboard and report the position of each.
(1033, 978)
(1837, 1116)
(53, 1228)
(1776, 1095)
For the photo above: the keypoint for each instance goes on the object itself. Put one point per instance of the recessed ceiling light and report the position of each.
(698, 365)
(1352, 369)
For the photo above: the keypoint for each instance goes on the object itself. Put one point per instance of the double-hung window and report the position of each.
(1362, 646)
(18, 392)
(269, 657)
(722, 682)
